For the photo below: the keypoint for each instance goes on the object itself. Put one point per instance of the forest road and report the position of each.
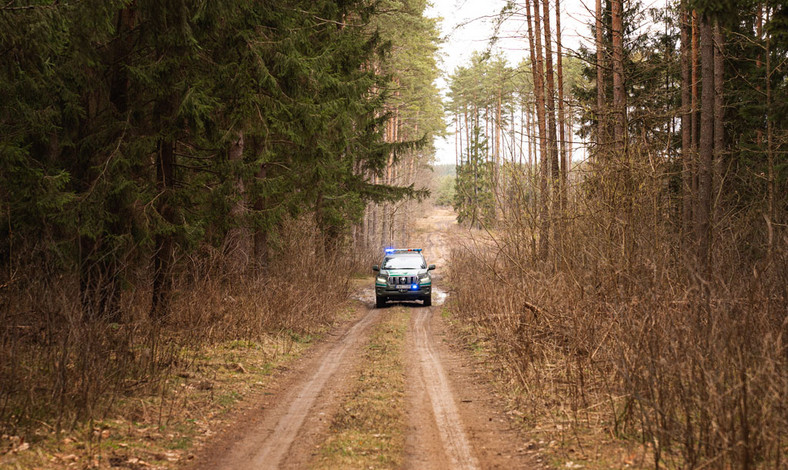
(456, 420)
(432, 406)
(453, 417)
(283, 430)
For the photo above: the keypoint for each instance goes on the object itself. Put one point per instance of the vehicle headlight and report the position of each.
(380, 280)
(425, 278)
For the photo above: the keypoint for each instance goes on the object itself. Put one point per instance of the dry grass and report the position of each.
(369, 431)
(65, 381)
(618, 338)
(159, 430)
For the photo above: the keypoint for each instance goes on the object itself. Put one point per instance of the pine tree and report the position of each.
(474, 202)
(144, 130)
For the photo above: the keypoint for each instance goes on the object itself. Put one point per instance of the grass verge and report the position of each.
(551, 425)
(159, 431)
(369, 430)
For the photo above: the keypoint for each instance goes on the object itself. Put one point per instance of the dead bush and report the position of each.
(59, 367)
(618, 331)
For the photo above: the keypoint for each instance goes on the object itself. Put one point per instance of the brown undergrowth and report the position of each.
(88, 391)
(619, 339)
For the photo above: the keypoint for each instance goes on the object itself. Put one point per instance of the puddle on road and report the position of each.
(439, 296)
(364, 295)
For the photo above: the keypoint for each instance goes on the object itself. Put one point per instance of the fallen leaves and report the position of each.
(21, 448)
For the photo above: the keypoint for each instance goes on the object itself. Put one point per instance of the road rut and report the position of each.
(430, 381)
(280, 438)
(453, 418)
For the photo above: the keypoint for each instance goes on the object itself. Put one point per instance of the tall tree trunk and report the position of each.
(457, 136)
(119, 81)
(261, 233)
(487, 132)
(476, 146)
(770, 161)
(395, 169)
(771, 191)
(509, 173)
(552, 135)
(468, 126)
(100, 267)
(687, 150)
(372, 227)
(532, 138)
(619, 93)
(387, 179)
(463, 118)
(497, 162)
(165, 245)
(523, 127)
(695, 116)
(719, 116)
(601, 98)
(706, 147)
(237, 243)
(561, 113)
(570, 125)
(534, 36)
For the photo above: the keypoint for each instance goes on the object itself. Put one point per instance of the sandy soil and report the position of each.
(454, 419)
(283, 429)
(432, 406)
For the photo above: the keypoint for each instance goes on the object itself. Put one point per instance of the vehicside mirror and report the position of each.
(375, 268)
(432, 266)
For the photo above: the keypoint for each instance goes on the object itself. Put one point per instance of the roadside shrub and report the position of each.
(59, 368)
(618, 331)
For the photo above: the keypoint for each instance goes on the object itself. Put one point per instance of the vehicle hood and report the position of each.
(403, 272)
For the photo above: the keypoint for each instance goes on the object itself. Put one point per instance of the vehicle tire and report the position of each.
(380, 302)
(427, 299)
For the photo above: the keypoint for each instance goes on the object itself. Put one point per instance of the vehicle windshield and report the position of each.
(404, 262)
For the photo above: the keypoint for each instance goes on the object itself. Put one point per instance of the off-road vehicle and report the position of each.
(403, 275)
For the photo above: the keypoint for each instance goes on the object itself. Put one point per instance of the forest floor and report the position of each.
(398, 387)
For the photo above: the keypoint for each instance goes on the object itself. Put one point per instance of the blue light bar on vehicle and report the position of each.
(414, 287)
(402, 250)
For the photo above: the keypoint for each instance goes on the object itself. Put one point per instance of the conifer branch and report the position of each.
(8, 6)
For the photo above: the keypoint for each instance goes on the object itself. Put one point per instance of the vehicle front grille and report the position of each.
(403, 280)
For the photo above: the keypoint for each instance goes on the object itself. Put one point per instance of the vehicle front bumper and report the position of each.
(394, 293)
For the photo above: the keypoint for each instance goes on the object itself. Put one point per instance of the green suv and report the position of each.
(403, 275)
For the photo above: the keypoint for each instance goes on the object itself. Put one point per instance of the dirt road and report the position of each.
(453, 419)
(432, 394)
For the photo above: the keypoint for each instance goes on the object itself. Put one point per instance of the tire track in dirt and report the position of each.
(432, 381)
(282, 428)
(456, 420)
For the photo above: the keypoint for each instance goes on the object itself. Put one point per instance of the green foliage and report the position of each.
(95, 93)
(653, 81)
(717, 8)
(492, 103)
(651, 69)
(411, 66)
(747, 111)
(473, 198)
(478, 87)
(446, 193)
